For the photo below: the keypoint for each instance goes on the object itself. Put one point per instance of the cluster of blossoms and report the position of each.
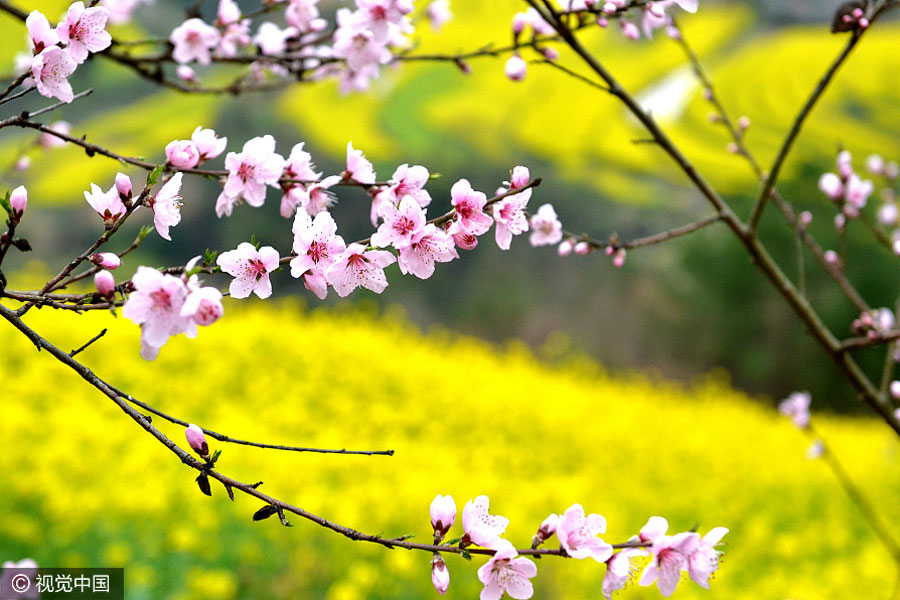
(578, 534)
(360, 43)
(651, 15)
(874, 323)
(166, 305)
(57, 51)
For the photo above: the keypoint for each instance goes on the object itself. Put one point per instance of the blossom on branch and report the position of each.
(482, 528)
(84, 30)
(41, 34)
(166, 206)
(796, 406)
(251, 170)
(469, 218)
(546, 229)
(250, 268)
(51, 70)
(443, 514)
(619, 570)
(429, 246)
(401, 224)
(316, 246)
(507, 572)
(578, 533)
(155, 305)
(107, 204)
(193, 40)
(358, 267)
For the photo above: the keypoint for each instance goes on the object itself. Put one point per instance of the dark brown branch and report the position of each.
(84, 346)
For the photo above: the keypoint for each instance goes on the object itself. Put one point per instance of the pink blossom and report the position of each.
(832, 186)
(48, 140)
(470, 217)
(619, 570)
(193, 40)
(545, 227)
(298, 166)
(107, 260)
(123, 187)
(51, 70)
(857, 191)
(40, 34)
(796, 406)
(358, 168)
(316, 246)
(84, 30)
(250, 268)
(23, 163)
(480, 527)
(249, 171)
(895, 389)
(510, 218)
(408, 181)
(515, 68)
(582, 248)
(507, 572)
(18, 200)
(107, 204)
(358, 267)
(303, 14)
(105, 283)
(155, 305)
(359, 46)
(704, 561)
(565, 248)
(182, 154)
(577, 534)
(429, 246)
(438, 13)
(688, 5)
(196, 439)
(401, 224)
(236, 30)
(440, 574)
(316, 198)
(669, 557)
(443, 514)
(167, 206)
(120, 10)
(272, 40)
(630, 30)
(653, 17)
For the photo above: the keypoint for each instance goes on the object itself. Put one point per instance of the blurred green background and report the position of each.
(675, 312)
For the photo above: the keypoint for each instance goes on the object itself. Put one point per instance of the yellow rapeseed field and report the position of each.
(84, 486)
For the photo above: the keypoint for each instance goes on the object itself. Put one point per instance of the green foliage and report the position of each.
(84, 486)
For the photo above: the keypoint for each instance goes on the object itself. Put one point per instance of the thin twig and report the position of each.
(88, 343)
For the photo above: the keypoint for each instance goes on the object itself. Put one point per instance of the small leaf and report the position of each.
(466, 555)
(144, 232)
(153, 177)
(203, 483)
(209, 256)
(264, 513)
(4, 202)
(215, 457)
(254, 242)
(452, 542)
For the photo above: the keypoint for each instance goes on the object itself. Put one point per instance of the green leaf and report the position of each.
(209, 257)
(153, 177)
(144, 232)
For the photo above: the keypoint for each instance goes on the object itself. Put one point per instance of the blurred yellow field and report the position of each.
(84, 485)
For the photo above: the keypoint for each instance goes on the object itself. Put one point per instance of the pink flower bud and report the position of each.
(744, 123)
(707, 93)
(186, 74)
(832, 258)
(804, 219)
(733, 148)
(832, 186)
(857, 13)
(440, 574)
(609, 8)
(863, 23)
(105, 283)
(107, 260)
(673, 32)
(519, 21)
(630, 30)
(565, 248)
(520, 177)
(197, 440)
(713, 117)
(619, 258)
(18, 199)
(550, 53)
(602, 21)
(547, 528)
(840, 221)
(582, 248)
(888, 214)
(845, 168)
(515, 68)
(182, 154)
(891, 170)
(123, 186)
(895, 389)
(875, 164)
(465, 67)
(443, 514)
(22, 163)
